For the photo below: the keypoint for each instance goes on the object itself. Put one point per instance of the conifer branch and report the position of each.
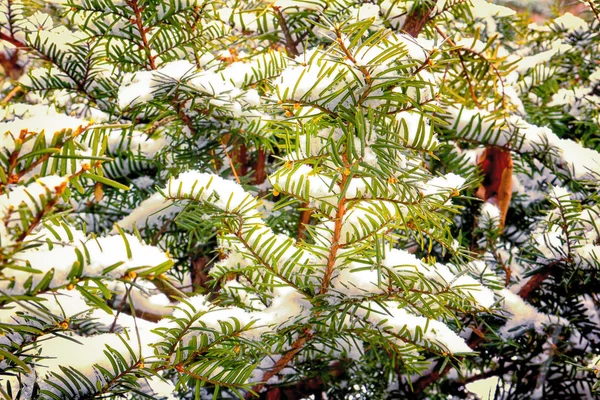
(373, 136)
(295, 348)
(477, 339)
(142, 30)
(335, 240)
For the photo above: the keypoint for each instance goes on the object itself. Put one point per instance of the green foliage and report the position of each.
(206, 199)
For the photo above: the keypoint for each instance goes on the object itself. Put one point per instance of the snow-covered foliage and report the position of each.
(357, 199)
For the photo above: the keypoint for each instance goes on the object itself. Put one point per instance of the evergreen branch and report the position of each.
(139, 23)
(108, 386)
(49, 207)
(337, 231)
(181, 369)
(296, 346)
(476, 340)
(462, 63)
(319, 107)
(484, 58)
(269, 267)
(16, 177)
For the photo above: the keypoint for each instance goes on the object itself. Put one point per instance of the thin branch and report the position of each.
(120, 306)
(260, 168)
(9, 96)
(462, 63)
(231, 164)
(475, 52)
(290, 46)
(282, 362)
(533, 283)
(14, 178)
(140, 27)
(335, 240)
(591, 4)
(12, 40)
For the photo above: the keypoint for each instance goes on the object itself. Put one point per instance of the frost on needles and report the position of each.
(278, 199)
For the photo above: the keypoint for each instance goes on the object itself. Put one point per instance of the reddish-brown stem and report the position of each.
(533, 283)
(335, 245)
(240, 160)
(304, 220)
(260, 169)
(12, 40)
(282, 362)
(140, 27)
(335, 240)
(426, 380)
(290, 45)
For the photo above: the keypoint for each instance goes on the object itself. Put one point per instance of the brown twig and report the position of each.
(282, 362)
(231, 164)
(478, 54)
(304, 220)
(335, 240)
(462, 64)
(12, 40)
(260, 168)
(120, 306)
(290, 46)
(140, 27)
(534, 282)
(590, 3)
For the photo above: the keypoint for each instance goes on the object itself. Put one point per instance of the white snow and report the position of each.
(524, 316)
(490, 216)
(571, 23)
(61, 256)
(433, 332)
(485, 389)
